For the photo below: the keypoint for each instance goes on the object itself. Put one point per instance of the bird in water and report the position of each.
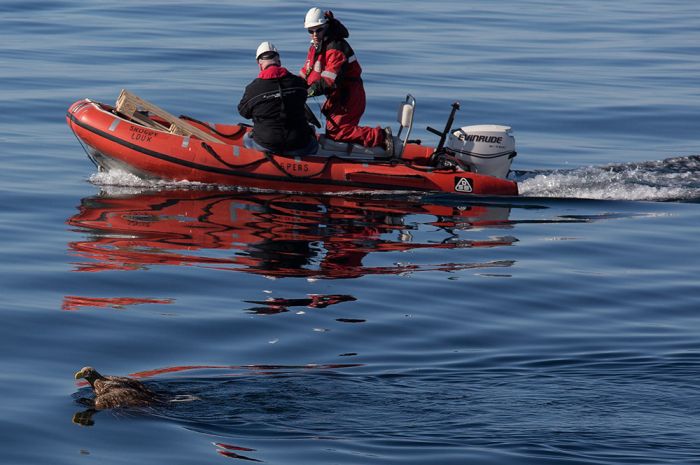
(116, 391)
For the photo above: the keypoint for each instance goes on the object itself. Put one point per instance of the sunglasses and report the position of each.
(317, 30)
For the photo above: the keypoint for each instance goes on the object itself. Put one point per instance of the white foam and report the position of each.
(121, 178)
(672, 179)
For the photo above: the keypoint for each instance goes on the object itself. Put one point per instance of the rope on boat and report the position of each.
(87, 152)
(274, 162)
(267, 157)
(213, 153)
(234, 135)
(428, 169)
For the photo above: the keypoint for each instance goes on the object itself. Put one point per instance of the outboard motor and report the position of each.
(486, 148)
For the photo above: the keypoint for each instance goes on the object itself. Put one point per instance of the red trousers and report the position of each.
(343, 111)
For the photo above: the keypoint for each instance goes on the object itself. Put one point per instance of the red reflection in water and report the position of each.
(72, 302)
(280, 305)
(269, 234)
(227, 451)
(237, 368)
(231, 447)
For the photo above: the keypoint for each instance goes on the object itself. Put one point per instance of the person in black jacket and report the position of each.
(275, 101)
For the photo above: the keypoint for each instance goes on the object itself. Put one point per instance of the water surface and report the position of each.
(557, 327)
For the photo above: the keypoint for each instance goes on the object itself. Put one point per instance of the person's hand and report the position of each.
(315, 89)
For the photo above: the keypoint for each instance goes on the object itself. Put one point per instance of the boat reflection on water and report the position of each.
(276, 235)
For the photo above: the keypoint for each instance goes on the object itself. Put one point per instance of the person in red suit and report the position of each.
(332, 69)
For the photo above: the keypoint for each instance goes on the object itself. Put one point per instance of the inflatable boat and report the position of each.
(140, 138)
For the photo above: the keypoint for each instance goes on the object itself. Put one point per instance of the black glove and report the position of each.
(315, 89)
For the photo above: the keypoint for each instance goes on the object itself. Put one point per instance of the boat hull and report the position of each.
(115, 142)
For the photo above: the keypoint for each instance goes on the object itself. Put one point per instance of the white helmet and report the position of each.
(265, 47)
(315, 17)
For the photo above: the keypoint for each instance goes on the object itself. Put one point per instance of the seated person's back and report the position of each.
(275, 101)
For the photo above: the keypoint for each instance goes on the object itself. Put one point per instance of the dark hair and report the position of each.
(336, 29)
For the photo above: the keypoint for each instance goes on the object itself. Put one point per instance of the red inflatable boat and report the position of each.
(143, 140)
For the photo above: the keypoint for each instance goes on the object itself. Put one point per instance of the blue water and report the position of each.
(559, 327)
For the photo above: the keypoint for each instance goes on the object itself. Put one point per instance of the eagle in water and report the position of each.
(116, 391)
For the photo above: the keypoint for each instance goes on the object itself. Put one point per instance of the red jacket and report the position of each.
(333, 70)
(332, 66)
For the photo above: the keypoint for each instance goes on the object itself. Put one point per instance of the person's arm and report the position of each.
(244, 106)
(308, 64)
(335, 61)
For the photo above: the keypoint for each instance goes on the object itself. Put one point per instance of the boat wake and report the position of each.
(116, 178)
(672, 179)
